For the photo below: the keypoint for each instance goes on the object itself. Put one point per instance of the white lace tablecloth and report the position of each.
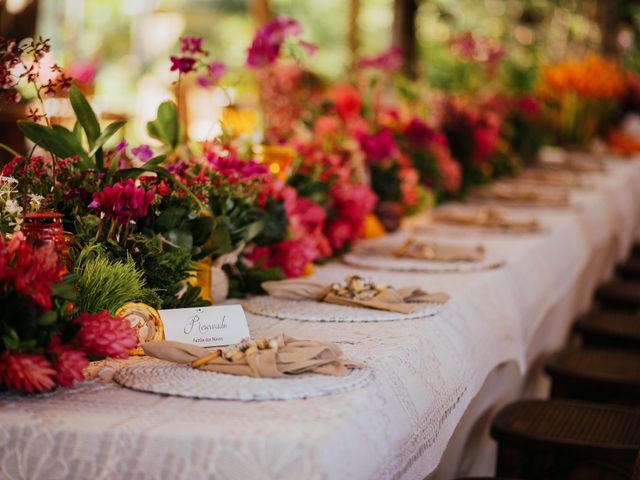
(426, 374)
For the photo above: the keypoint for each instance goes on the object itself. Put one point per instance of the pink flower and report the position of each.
(68, 361)
(352, 200)
(339, 232)
(378, 146)
(123, 201)
(26, 372)
(143, 152)
(182, 64)
(294, 255)
(103, 335)
(82, 71)
(215, 71)
(449, 169)
(267, 42)
(390, 60)
(311, 214)
(192, 45)
(231, 166)
(486, 133)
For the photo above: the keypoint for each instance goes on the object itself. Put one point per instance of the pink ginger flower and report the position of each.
(26, 372)
(103, 335)
(123, 201)
(293, 255)
(68, 361)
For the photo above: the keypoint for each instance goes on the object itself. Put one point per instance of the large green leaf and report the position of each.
(106, 135)
(60, 141)
(85, 115)
(166, 126)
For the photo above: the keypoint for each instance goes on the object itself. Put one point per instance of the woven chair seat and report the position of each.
(619, 295)
(600, 375)
(629, 270)
(566, 439)
(609, 329)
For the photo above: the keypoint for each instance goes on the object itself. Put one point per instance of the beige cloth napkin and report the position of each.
(487, 218)
(556, 178)
(436, 252)
(403, 300)
(292, 357)
(518, 193)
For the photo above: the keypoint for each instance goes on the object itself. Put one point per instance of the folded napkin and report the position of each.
(421, 250)
(556, 178)
(284, 356)
(403, 300)
(487, 218)
(518, 193)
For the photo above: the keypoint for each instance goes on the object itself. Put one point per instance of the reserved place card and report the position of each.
(206, 326)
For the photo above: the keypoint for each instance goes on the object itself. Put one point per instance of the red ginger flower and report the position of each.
(123, 201)
(69, 363)
(25, 371)
(30, 270)
(104, 335)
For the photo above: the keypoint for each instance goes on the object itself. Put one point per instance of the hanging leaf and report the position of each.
(106, 135)
(57, 139)
(85, 115)
(166, 127)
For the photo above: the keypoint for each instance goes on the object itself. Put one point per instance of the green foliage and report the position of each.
(107, 284)
(385, 181)
(66, 143)
(237, 222)
(167, 127)
(245, 280)
(276, 223)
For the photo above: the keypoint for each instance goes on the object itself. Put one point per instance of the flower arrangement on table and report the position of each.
(580, 98)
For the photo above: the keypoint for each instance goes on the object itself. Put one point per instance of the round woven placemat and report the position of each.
(185, 381)
(399, 264)
(313, 311)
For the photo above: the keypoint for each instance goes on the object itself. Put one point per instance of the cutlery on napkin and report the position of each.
(488, 218)
(354, 292)
(276, 357)
(422, 250)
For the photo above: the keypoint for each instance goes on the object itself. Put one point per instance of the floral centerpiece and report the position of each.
(580, 97)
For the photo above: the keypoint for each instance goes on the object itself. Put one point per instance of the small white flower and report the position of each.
(12, 207)
(35, 201)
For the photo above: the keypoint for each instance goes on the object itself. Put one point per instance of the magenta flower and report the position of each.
(182, 64)
(142, 152)
(123, 201)
(192, 45)
(230, 166)
(378, 146)
(389, 60)
(215, 71)
(267, 42)
(418, 132)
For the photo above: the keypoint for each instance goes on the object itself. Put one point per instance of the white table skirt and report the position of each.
(437, 380)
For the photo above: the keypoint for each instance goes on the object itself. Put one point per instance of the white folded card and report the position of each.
(206, 326)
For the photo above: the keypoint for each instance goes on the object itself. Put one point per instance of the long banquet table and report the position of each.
(437, 381)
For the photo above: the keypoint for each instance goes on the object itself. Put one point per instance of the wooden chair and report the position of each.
(601, 328)
(560, 439)
(596, 375)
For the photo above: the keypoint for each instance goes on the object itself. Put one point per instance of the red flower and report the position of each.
(123, 201)
(30, 270)
(346, 99)
(27, 372)
(103, 335)
(69, 363)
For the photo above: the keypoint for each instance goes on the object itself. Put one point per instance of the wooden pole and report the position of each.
(353, 33)
(404, 33)
(260, 11)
